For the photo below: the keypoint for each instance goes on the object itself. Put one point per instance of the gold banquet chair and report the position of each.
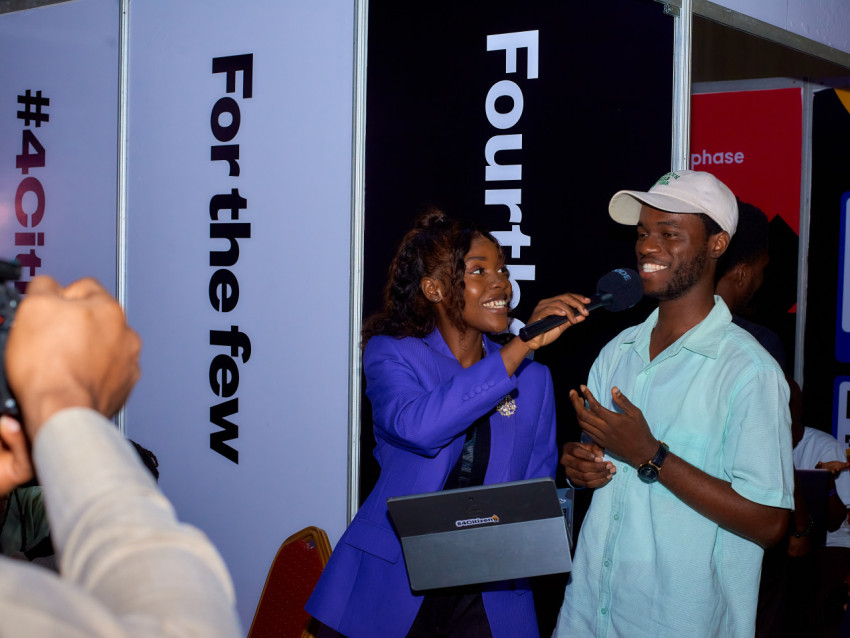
(292, 576)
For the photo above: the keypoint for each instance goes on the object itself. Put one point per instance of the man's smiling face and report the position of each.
(672, 252)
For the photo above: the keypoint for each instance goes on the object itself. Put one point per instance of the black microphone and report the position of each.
(615, 291)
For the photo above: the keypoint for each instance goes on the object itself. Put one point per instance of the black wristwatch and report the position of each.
(648, 472)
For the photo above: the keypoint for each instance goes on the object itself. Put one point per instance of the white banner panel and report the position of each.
(240, 120)
(58, 140)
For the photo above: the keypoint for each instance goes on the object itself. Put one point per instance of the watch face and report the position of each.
(647, 473)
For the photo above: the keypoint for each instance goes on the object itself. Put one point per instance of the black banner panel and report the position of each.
(526, 118)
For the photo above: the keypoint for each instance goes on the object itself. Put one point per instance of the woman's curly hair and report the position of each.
(435, 247)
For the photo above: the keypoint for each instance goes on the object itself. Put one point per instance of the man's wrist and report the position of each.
(37, 410)
(805, 530)
(574, 486)
(647, 452)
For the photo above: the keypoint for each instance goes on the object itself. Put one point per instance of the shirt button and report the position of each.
(616, 517)
(607, 563)
(603, 611)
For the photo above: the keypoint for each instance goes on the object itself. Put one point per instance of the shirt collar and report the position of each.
(704, 338)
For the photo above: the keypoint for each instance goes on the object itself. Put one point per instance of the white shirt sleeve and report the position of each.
(128, 567)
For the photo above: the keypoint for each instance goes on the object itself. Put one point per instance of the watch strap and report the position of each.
(658, 459)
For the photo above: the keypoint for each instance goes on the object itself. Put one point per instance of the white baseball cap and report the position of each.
(680, 192)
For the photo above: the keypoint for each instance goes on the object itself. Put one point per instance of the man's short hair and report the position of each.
(711, 226)
(749, 242)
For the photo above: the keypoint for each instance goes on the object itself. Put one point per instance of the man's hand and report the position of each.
(833, 467)
(70, 347)
(584, 465)
(625, 434)
(15, 463)
(798, 547)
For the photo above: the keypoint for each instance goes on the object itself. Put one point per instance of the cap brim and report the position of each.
(624, 206)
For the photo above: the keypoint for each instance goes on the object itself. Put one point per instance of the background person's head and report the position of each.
(740, 271)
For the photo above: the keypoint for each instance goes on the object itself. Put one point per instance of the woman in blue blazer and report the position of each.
(442, 392)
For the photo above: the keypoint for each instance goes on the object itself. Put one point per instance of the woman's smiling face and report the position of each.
(487, 292)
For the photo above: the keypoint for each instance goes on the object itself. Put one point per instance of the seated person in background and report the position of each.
(815, 449)
(794, 588)
(128, 566)
(740, 273)
(24, 530)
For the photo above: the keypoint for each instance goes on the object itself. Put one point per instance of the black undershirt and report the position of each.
(458, 612)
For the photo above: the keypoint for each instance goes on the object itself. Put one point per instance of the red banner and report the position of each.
(752, 141)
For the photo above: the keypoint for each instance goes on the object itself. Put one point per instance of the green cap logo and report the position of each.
(665, 179)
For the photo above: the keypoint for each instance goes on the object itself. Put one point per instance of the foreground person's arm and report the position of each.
(118, 540)
(128, 567)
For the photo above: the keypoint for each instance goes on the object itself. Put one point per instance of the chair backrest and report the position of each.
(293, 575)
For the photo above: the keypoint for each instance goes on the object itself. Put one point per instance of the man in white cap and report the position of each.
(691, 440)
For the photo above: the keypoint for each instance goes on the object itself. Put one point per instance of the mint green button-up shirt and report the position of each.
(646, 564)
